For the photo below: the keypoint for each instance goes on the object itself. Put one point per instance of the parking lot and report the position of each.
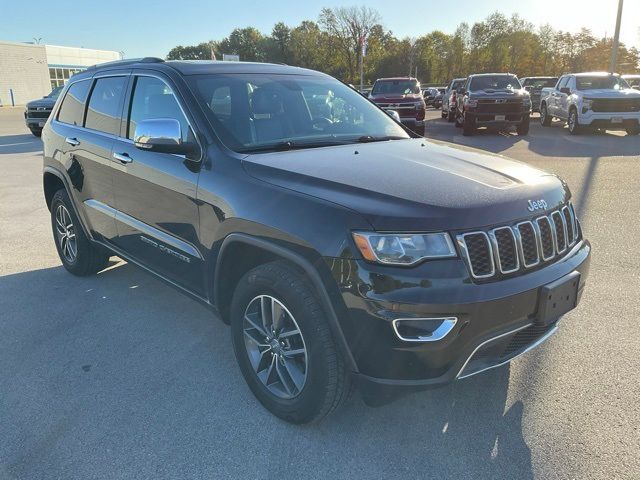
(120, 376)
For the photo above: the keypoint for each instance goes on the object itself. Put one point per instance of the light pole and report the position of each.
(616, 41)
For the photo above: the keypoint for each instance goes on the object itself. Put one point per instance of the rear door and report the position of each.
(155, 193)
(88, 120)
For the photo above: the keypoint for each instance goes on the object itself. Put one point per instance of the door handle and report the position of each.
(72, 141)
(123, 157)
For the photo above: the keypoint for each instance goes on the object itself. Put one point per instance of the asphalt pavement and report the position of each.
(119, 376)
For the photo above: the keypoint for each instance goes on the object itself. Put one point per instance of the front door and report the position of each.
(157, 217)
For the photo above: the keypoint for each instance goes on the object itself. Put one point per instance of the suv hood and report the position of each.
(43, 102)
(414, 184)
(499, 94)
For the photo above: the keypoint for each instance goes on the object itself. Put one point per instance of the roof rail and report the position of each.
(130, 61)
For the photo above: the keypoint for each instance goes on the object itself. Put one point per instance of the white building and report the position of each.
(29, 71)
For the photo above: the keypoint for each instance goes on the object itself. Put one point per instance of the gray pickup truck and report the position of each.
(38, 111)
(534, 86)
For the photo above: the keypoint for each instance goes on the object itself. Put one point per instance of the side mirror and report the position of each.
(162, 135)
(393, 114)
(565, 90)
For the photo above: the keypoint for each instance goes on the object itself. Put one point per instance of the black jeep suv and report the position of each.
(493, 100)
(338, 245)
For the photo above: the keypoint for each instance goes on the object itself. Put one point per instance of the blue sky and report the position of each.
(153, 28)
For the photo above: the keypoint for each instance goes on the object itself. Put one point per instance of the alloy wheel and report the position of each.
(572, 121)
(275, 346)
(543, 115)
(66, 234)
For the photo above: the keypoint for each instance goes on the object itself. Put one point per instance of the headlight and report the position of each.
(403, 249)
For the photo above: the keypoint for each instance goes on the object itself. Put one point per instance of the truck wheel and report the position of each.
(572, 122)
(545, 118)
(36, 131)
(633, 130)
(468, 126)
(523, 127)
(78, 254)
(459, 120)
(284, 346)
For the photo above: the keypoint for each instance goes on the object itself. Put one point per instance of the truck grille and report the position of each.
(499, 106)
(33, 113)
(518, 248)
(616, 105)
(398, 107)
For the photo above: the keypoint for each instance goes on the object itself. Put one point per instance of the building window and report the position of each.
(60, 75)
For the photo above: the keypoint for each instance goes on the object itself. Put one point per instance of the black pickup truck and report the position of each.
(38, 111)
(493, 100)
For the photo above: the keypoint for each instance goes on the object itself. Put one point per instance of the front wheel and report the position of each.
(523, 127)
(78, 254)
(572, 122)
(545, 118)
(468, 126)
(284, 345)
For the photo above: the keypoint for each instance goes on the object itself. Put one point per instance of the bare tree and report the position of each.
(350, 26)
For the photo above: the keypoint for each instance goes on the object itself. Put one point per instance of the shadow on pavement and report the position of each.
(19, 144)
(553, 141)
(117, 375)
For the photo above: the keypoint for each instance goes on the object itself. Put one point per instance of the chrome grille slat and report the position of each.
(515, 248)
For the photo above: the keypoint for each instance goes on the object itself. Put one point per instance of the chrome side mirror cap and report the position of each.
(163, 135)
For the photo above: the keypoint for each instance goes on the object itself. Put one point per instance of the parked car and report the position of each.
(449, 98)
(534, 86)
(340, 247)
(37, 112)
(592, 100)
(403, 95)
(429, 94)
(632, 80)
(493, 100)
(437, 101)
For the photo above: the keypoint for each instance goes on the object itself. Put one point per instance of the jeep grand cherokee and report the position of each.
(338, 245)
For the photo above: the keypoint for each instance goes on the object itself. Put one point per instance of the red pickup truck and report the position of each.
(403, 95)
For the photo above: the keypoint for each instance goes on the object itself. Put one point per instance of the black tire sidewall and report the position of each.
(309, 316)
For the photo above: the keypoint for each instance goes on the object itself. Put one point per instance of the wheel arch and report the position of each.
(52, 181)
(241, 252)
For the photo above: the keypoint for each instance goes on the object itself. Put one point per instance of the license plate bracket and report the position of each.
(500, 118)
(616, 119)
(557, 298)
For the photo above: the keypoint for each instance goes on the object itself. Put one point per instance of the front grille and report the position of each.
(399, 107)
(38, 113)
(616, 105)
(492, 106)
(510, 249)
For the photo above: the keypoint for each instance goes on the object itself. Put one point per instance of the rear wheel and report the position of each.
(523, 127)
(545, 119)
(572, 122)
(78, 254)
(284, 346)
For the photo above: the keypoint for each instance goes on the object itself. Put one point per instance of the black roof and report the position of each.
(195, 67)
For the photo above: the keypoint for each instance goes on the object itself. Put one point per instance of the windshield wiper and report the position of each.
(370, 138)
(288, 145)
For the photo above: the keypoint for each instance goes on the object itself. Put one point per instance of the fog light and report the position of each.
(423, 329)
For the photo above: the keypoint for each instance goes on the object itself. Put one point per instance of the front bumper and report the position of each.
(498, 315)
(35, 122)
(609, 120)
(412, 123)
(483, 118)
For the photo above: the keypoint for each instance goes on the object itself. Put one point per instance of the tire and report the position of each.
(572, 122)
(633, 130)
(36, 131)
(545, 118)
(459, 120)
(77, 253)
(451, 116)
(523, 128)
(327, 380)
(468, 126)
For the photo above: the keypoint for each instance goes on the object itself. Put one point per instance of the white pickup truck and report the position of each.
(594, 100)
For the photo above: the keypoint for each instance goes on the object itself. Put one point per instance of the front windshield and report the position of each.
(395, 87)
(601, 81)
(494, 82)
(259, 112)
(55, 92)
(538, 83)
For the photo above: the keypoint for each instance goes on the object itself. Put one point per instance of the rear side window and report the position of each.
(72, 108)
(105, 103)
(152, 98)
